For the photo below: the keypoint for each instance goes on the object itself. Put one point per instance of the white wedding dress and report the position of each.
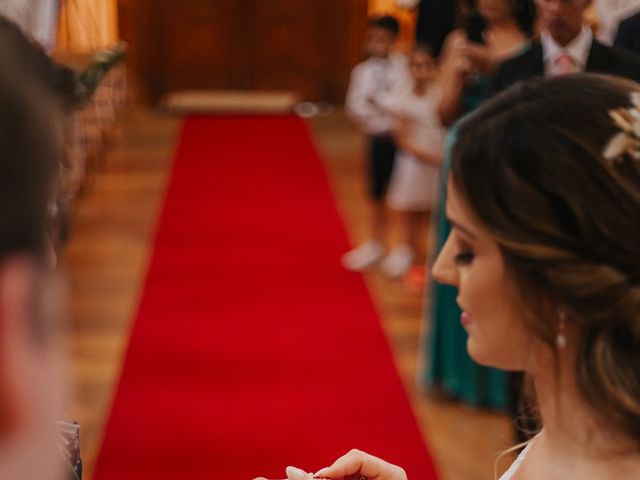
(508, 475)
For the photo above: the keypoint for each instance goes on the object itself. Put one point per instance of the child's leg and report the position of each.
(379, 221)
(402, 256)
(381, 158)
(415, 225)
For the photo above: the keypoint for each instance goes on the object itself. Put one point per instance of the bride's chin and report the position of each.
(503, 359)
(478, 354)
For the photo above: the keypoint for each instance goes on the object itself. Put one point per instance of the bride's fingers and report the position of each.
(294, 473)
(357, 463)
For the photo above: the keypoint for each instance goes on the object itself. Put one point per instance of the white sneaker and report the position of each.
(398, 262)
(364, 256)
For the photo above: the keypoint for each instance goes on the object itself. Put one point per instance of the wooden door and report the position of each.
(199, 42)
(304, 45)
(286, 48)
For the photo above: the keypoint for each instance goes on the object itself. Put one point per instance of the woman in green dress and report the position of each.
(469, 57)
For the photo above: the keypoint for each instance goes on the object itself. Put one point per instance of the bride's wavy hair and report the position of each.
(530, 165)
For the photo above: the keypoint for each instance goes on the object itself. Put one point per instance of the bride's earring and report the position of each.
(561, 338)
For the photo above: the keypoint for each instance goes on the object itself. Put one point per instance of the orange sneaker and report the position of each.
(416, 278)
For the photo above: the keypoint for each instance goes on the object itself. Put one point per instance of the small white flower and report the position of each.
(620, 120)
(626, 142)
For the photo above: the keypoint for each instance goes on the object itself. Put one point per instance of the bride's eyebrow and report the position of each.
(455, 224)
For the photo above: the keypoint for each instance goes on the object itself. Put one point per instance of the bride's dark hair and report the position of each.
(530, 165)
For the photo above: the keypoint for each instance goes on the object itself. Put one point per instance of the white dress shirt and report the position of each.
(578, 50)
(372, 86)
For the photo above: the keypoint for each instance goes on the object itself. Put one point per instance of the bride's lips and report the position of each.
(465, 319)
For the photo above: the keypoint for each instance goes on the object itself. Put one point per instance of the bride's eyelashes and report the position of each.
(465, 257)
(465, 254)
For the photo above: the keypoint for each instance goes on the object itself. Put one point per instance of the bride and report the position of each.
(544, 201)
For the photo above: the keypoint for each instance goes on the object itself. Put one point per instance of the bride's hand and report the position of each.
(294, 473)
(356, 465)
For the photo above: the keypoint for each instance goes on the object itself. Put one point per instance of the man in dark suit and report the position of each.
(566, 45)
(628, 35)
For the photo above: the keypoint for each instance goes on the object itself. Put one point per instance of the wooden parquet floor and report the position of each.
(106, 261)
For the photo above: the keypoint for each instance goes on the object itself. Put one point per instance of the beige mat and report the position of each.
(230, 101)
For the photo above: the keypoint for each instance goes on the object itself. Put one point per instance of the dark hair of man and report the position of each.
(530, 165)
(385, 22)
(58, 79)
(523, 12)
(30, 152)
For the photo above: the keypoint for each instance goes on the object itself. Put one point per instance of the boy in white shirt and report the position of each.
(372, 82)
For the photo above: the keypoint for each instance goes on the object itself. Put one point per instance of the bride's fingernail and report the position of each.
(321, 473)
(294, 473)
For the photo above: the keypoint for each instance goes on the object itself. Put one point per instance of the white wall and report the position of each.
(39, 18)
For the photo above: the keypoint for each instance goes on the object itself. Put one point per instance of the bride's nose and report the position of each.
(444, 269)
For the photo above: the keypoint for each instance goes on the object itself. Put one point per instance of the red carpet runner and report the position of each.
(253, 349)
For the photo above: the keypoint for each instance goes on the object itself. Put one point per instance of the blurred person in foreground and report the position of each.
(30, 152)
(38, 18)
(62, 84)
(59, 80)
(544, 254)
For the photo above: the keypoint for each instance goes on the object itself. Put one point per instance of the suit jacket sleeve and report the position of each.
(628, 35)
(614, 61)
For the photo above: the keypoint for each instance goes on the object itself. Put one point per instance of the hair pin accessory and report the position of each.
(627, 141)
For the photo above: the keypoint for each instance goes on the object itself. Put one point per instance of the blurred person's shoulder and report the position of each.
(531, 54)
(528, 63)
(615, 61)
(364, 66)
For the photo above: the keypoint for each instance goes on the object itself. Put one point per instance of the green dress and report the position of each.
(448, 365)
